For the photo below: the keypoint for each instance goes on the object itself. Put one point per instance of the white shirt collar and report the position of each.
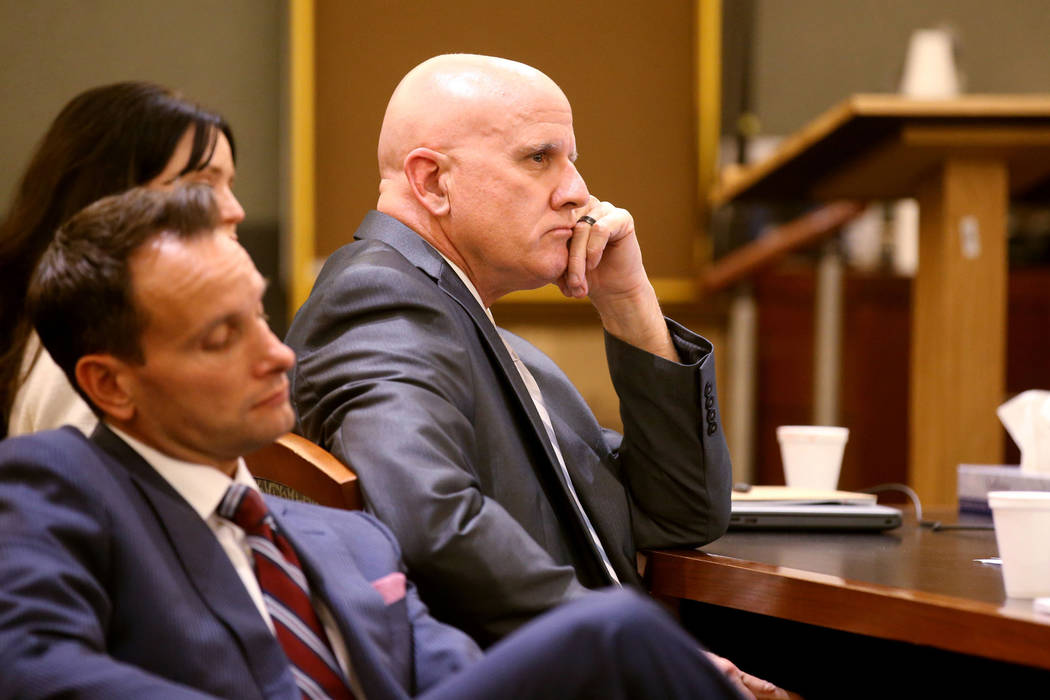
(201, 485)
(470, 285)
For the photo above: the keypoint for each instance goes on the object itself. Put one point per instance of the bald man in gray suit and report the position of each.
(472, 446)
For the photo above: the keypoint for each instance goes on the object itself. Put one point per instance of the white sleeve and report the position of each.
(46, 399)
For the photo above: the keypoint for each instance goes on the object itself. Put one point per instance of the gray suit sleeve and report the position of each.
(673, 456)
(382, 383)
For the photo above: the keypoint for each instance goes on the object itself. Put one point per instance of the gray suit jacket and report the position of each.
(402, 376)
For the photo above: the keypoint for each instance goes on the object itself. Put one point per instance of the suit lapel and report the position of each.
(389, 230)
(380, 651)
(206, 566)
(377, 226)
(450, 284)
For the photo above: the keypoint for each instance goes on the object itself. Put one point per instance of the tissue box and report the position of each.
(976, 480)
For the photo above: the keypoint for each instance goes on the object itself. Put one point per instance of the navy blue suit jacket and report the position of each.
(112, 586)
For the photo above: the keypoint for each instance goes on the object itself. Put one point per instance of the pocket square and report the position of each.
(391, 587)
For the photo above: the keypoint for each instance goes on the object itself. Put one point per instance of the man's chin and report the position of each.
(551, 273)
(271, 427)
(284, 423)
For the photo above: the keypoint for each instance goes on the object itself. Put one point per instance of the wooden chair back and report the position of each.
(294, 467)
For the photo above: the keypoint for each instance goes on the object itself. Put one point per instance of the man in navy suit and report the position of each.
(125, 572)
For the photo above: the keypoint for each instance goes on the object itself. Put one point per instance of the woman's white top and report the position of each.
(46, 399)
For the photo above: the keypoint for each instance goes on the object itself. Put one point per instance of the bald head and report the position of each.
(449, 98)
(477, 156)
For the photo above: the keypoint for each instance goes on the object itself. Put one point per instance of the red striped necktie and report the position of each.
(287, 596)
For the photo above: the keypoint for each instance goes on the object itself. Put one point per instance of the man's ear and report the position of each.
(104, 379)
(427, 174)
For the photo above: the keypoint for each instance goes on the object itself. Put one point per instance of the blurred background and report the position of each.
(666, 93)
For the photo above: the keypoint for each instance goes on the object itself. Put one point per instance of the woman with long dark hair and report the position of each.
(106, 140)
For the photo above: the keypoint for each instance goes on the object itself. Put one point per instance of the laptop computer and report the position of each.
(781, 508)
(813, 516)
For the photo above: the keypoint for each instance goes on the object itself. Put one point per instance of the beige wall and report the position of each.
(226, 54)
(809, 54)
(222, 53)
(626, 67)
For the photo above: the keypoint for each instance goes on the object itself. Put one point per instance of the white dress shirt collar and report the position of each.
(470, 285)
(537, 399)
(201, 485)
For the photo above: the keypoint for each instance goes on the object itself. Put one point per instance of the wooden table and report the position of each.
(910, 585)
(963, 159)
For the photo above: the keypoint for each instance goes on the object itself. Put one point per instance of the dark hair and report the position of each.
(106, 140)
(80, 298)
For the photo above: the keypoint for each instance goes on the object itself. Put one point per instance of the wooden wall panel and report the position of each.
(874, 391)
(627, 68)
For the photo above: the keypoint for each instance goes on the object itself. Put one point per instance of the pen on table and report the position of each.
(991, 561)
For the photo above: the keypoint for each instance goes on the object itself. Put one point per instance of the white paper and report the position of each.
(1026, 418)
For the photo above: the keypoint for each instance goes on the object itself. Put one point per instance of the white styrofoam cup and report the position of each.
(1022, 532)
(812, 454)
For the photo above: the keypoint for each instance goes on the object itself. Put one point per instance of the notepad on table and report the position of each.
(785, 508)
(788, 494)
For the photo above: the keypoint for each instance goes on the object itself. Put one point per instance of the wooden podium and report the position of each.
(962, 159)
